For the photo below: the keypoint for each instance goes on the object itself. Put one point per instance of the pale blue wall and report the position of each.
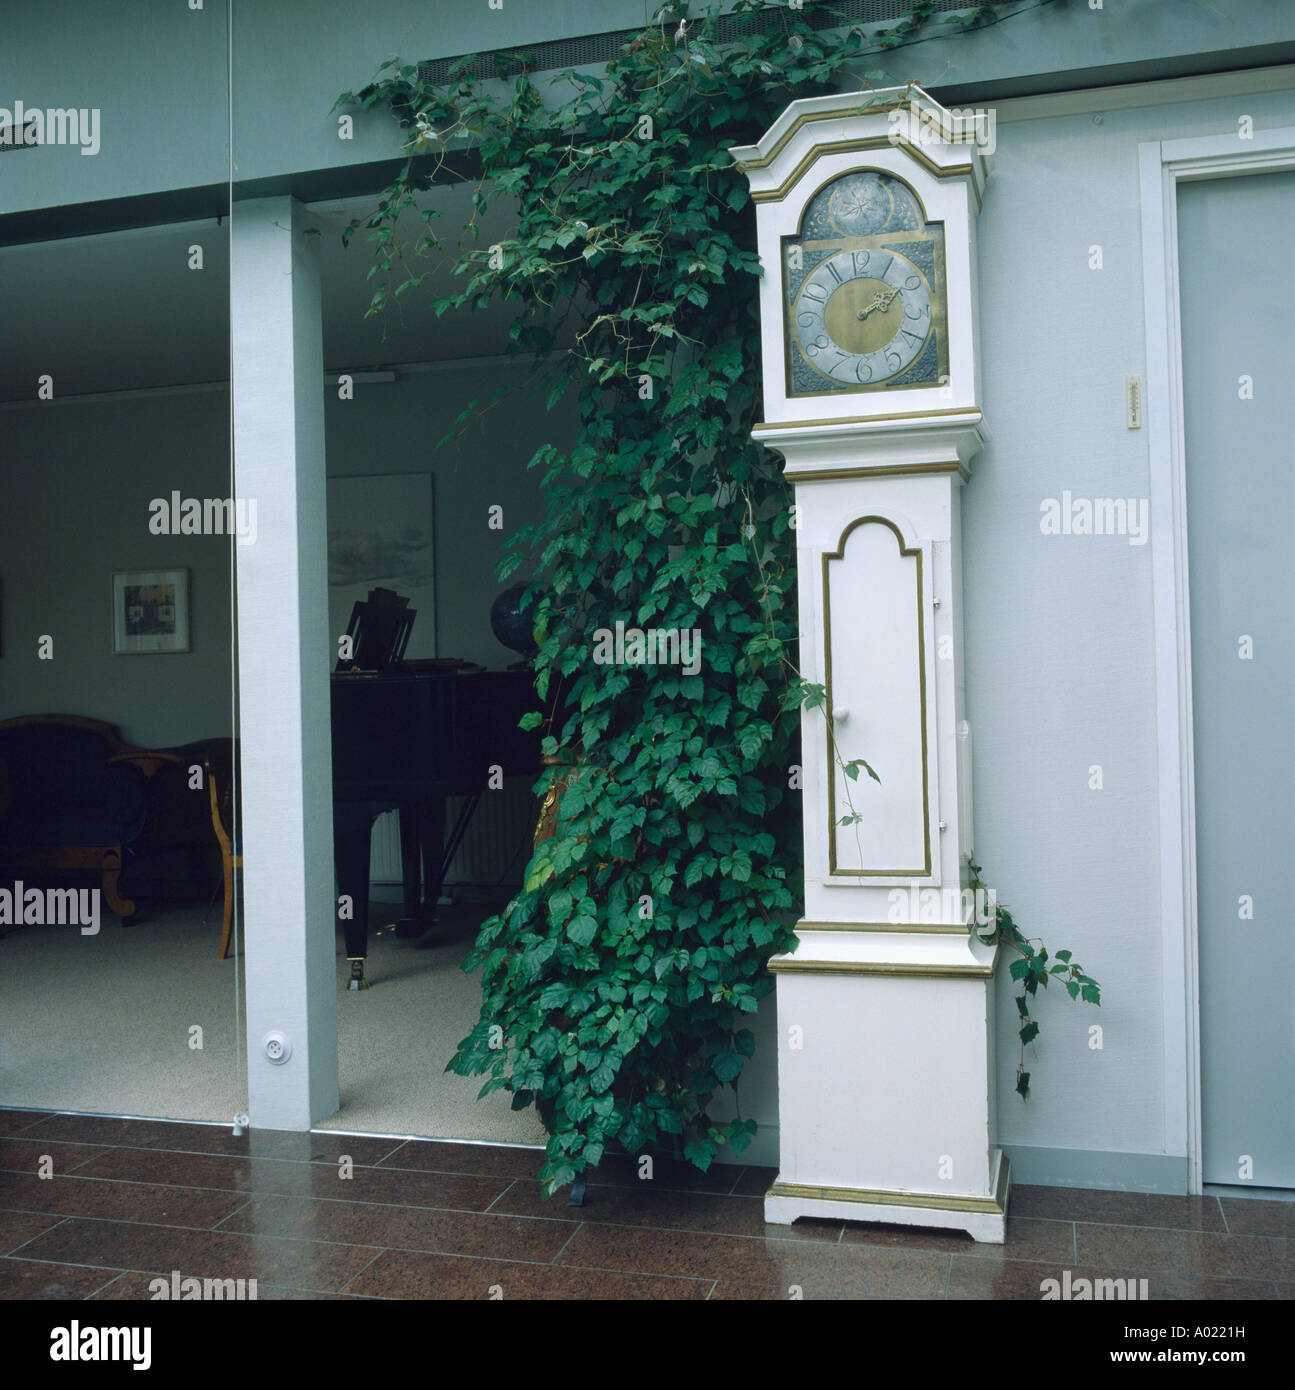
(156, 70)
(160, 73)
(76, 479)
(1060, 654)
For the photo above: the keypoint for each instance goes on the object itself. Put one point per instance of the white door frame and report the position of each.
(1163, 166)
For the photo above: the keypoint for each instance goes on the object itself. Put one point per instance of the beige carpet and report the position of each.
(396, 1037)
(105, 1024)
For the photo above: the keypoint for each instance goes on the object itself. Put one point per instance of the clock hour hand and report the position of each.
(881, 300)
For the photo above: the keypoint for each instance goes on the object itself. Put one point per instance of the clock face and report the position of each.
(864, 290)
(862, 317)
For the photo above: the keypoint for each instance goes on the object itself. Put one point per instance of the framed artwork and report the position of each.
(381, 535)
(150, 611)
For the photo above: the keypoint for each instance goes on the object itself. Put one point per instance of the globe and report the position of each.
(511, 624)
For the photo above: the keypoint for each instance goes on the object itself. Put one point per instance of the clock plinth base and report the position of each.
(886, 1081)
(984, 1218)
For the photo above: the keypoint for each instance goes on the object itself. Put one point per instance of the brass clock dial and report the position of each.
(862, 317)
(864, 292)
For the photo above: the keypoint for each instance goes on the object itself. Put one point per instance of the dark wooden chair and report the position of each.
(224, 821)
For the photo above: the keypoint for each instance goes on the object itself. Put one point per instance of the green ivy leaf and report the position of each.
(582, 930)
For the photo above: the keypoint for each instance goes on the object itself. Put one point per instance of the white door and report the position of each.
(1237, 282)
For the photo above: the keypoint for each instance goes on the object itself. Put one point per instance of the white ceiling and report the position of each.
(122, 310)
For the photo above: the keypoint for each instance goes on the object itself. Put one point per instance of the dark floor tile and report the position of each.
(817, 1290)
(667, 1210)
(458, 1191)
(105, 1129)
(1285, 1289)
(1022, 1281)
(480, 1160)
(403, 1228)
(1026, 1240)
(1117, 1208)
(277, 1293)
(755, 1182)
(666, 1175)
(1185, 1252)
(15, 1121)
(18, 1227)
(1255, 1216)
(728, 1291)
(1195, 1288)
(20, 1155)
(180, 1137)
(616, 1170)
(131, 1287)
(819, 1271)
(404, 1275)
(326, 1147)
(205, 1254)
(34, 1279)
(167, 1168)
(116, 1201)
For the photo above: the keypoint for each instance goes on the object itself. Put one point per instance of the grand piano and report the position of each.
(405, 738)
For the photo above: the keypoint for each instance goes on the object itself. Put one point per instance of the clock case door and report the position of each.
(868, 210)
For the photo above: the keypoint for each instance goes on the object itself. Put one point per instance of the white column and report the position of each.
(276, 345)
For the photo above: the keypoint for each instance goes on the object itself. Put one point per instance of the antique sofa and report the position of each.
(73, 795)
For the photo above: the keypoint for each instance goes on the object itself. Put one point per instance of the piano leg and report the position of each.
(434, 863)
(352, 836)
(411, 925)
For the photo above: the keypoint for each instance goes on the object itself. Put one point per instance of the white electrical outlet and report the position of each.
(277, 1048)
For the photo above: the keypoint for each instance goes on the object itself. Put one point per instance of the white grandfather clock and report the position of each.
(866, 207)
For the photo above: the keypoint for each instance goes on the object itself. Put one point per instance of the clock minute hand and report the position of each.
(880, 300)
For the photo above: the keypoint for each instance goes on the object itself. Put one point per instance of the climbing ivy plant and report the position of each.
(616, 983)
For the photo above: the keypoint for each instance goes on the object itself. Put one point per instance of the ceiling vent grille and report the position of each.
(23, 137)
(588, 49)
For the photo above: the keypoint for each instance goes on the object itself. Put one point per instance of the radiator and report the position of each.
(494, 850)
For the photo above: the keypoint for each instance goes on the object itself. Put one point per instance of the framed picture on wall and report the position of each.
(381, 535)
(150, 611)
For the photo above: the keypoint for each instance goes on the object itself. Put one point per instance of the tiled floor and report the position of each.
(129, 1200)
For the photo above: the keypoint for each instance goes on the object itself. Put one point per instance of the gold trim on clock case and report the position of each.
(938, 970)
(826, 475)
(901, 928)
(974, 416)
(828, 557)
(990, 1206)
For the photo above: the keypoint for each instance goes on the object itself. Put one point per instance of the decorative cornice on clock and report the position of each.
(776, 195)
(902, 116)
(899, 949)
(830, 450)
